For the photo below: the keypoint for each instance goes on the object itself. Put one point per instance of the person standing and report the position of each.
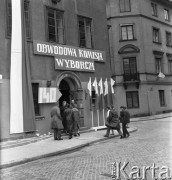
(76, 119)
(68, 119)
(124, 119)
(62, 109)
(56, 122)
(112, 121)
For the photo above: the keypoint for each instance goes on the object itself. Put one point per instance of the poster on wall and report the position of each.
(48, 95)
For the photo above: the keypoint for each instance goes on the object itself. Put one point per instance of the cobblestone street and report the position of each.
(152, 143)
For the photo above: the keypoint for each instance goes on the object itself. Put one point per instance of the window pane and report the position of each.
(126, 66)
(135, 100)
(133, 68)
(85, 33)
(55, 26)
(122, 6)
(129, 100)
(124, 33)
(127, 5)
(161, 97)
(130, 32)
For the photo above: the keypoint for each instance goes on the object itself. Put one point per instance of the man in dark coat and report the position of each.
(76, 123)
(124, 119)
(62, 109)
(112, 121)
(56, 122)
(68, 119)
(73, 104)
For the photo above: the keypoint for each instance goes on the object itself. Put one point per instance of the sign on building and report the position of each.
(48, 95)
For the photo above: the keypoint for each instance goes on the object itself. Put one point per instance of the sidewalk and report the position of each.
(20, 151)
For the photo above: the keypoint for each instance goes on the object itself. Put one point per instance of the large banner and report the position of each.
(68, 52)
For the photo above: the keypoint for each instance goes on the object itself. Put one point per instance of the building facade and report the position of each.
(141, 51)
(67, 45)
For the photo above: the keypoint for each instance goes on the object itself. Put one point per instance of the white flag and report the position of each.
(112, 84)
(161, 75)
(95, 86)
(106, 87)
(89, 87)
(101, 86)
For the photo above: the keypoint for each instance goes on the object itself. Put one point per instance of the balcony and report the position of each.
(131, 79)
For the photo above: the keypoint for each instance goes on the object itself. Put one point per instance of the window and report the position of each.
(170, 66)
(161, 98)
(156, 35)
(154, 9)
(125, 6)
(132, 99)
(26, 16)
(158, 65)
(168, 39)
(93, 98)
(85, 32)
(166, 14)
(35, 87)
(55, 26)
(130, 66)
(127, 32)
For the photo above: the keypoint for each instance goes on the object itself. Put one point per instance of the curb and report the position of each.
(58, 152)
(149, 118)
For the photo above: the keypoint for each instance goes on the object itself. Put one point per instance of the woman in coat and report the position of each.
(68, 119)
(112, 121)
(56, 122)
(76, 123)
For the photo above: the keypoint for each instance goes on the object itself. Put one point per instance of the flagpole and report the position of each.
(98, 117)
(92, 119)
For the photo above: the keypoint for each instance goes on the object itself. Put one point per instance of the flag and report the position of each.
(100, 84)
(161, 75)
(106, 93)
(112, 90)
(89, 87)
(112, 84)
(95, 85)
(22, 115)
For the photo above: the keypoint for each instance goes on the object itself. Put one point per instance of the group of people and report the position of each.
(113, 121)
(67, 118)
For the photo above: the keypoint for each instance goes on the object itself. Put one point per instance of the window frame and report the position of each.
(158, 65)
(153, 35)
(168, 43)
(129, 59)
(35, 99)
(125, 6)
(55, 19)
(154, 9)
(131, 94)
(162, 98)
(166, 14)
(170, 66)
(127, 32)
(85, 32)
(9, 19)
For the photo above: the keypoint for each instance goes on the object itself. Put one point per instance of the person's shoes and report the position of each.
(59, 139)
(55, 139)
(70, 137)
(75, 135)
(78, 134)
(122, 137)
(106, 136)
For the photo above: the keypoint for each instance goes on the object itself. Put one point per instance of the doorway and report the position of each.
(65, 90)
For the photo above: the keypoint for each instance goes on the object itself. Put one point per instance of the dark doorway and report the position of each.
(65, 90)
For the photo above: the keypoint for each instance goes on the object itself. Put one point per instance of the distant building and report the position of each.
(140, 34)
(67, 44)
